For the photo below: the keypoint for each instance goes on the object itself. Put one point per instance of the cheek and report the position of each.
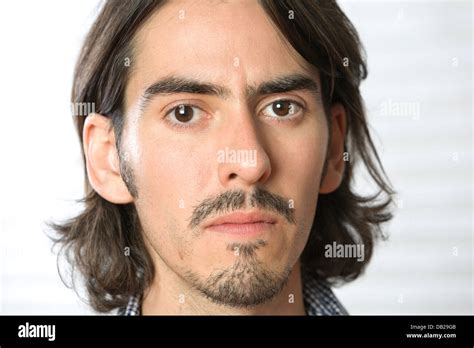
(301, 163)
(170, 178)
(174, 176)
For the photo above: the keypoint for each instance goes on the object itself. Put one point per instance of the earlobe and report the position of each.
(335, 154)
(102, 160)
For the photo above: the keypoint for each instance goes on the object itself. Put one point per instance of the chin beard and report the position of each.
(245, 284)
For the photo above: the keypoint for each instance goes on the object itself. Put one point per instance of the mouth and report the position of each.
(244, 224)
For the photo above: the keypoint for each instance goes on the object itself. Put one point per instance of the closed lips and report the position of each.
(242, 218)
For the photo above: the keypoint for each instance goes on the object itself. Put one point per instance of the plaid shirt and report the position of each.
(318, 299)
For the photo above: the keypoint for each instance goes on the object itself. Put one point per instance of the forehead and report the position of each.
(225, 42)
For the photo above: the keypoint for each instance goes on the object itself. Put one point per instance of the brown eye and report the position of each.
(183, 113)
(282, 108)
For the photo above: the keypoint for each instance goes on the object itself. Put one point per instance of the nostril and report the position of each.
(232, 176)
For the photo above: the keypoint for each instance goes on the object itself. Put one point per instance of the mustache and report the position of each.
(235, 199)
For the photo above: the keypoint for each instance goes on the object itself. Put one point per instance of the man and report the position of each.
(219, 159)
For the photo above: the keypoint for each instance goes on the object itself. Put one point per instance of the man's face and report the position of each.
(198, 157)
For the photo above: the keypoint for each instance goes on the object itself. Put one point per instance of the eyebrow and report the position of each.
(176, 84)
(284, 84)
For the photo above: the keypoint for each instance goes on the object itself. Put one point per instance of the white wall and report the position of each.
(418, 52)
(41, 173)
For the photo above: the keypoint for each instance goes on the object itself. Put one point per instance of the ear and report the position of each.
(102, 161)
(335, 154)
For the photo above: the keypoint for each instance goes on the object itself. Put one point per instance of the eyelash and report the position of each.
(191, 125)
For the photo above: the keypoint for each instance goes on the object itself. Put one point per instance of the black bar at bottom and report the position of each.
(101, 330)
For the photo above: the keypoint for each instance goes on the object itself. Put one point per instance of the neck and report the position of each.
(169, 294)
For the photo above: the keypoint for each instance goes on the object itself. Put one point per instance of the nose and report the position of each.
(243, 161)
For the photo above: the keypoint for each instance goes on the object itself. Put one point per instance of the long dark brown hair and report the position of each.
(94, 242)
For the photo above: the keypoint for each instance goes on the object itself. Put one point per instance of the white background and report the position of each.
(419, 54)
